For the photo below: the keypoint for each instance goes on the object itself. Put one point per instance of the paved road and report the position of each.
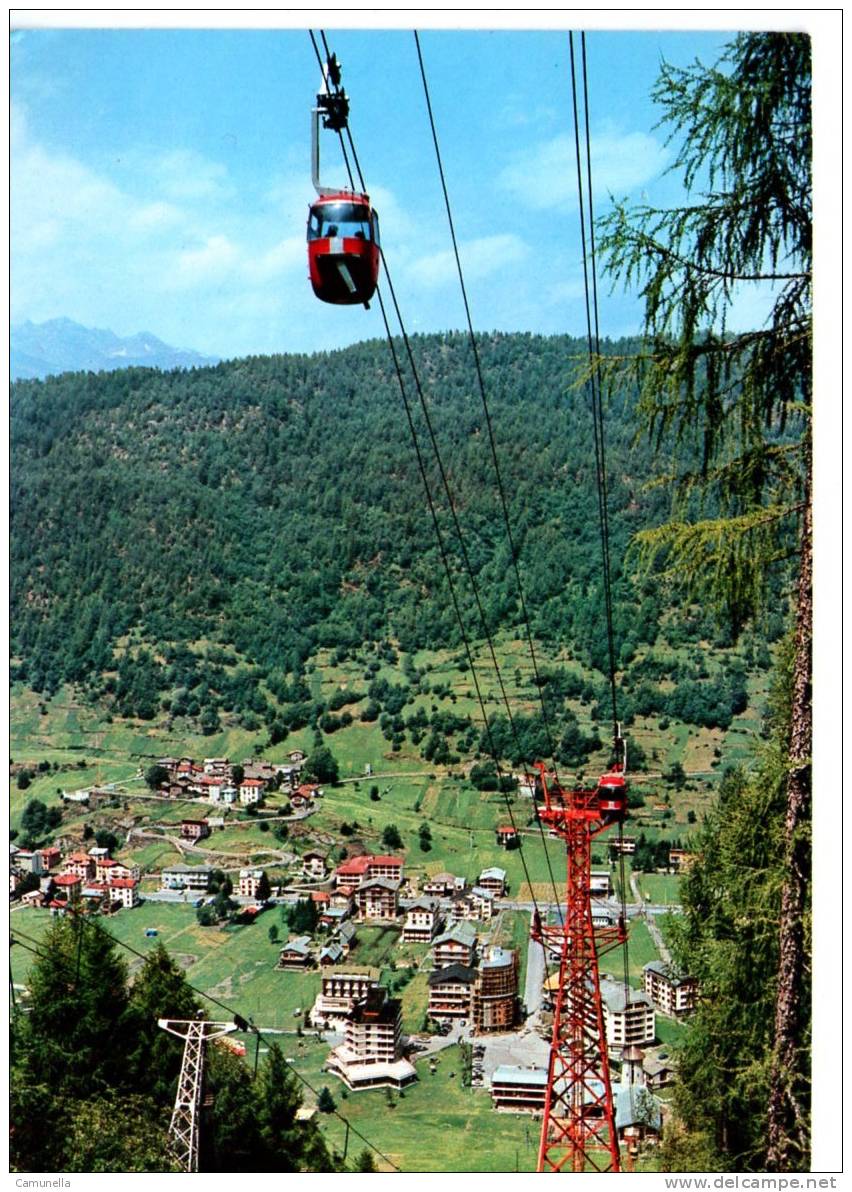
(533, 990)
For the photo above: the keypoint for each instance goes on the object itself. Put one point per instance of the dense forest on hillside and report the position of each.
(272, 506)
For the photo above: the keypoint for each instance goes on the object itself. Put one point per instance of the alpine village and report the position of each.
(431, 793)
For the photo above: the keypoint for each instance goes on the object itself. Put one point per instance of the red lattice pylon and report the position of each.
(578, 1129)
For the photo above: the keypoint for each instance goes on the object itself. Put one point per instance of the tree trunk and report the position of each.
(789, 1118)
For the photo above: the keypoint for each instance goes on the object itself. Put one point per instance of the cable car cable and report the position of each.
(600, 451)
(488, 422)
(454, 516)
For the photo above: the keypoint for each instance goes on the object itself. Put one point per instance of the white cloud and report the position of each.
(480, 259)
(546, 174)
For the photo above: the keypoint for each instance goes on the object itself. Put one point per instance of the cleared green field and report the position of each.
(660, 888)
(435, 1125)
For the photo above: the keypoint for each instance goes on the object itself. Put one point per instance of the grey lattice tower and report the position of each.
(183, 1130)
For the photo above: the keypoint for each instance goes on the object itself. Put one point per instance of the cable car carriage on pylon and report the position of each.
(343, 228)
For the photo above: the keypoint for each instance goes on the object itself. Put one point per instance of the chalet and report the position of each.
(265, 771)
(493, 879)
(124, 891)
(333, 916)
(456, 946)
(670, 992)
(482, 904)
(296, 755)
(638, 1115)
(16, 876)
(321, 897)
(341, 988)
(507, 836)
(314, 865)
(423, 921)
(207, 786)
(33, 898)
(99, 854)
(444, 885)
(600, 885)
(249, 883)
(191, 829)
(332, 953)
(378, 898)
(228, 795)
(309, 790)
(81, 864)
(251, 791)
(186, 877)
(680, 859)
(659, 1071)
(177, 788)
(371, 1053)
(347, 935)
(296, 953)
(451, 992)
(218, 767)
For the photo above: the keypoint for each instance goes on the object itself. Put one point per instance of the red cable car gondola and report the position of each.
(343, 247)
(343, 229)
(612, 797)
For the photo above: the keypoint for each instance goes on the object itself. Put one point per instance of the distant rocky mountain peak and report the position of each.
(60, 345)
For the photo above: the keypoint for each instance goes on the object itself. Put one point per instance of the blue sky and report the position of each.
(160, 178)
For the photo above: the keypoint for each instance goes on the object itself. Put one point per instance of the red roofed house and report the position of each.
(251, 790)
(506, 835)
(351, 873)
(50, 857)
(387, 867)
(208, 786)
(124, 890)
(320, 896)
(104, 867)
(80, 864)
(354, 872)
(68, 885)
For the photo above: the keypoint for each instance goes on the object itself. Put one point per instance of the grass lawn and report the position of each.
(670, 1031)
(640, 950)
(659, 888)
(436, 1125)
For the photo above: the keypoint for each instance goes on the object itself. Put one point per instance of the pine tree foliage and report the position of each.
(738, 400)
(741, 400)
(728, 938)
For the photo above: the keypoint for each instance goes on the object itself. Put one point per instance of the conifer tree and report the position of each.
(739, 402)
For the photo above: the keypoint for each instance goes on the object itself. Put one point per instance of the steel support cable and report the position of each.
(39, 952)
(494, 457)
(442, 547)
(454, 516)
(448, 572)
(600, 452)
(600, 413)
(593, 388)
